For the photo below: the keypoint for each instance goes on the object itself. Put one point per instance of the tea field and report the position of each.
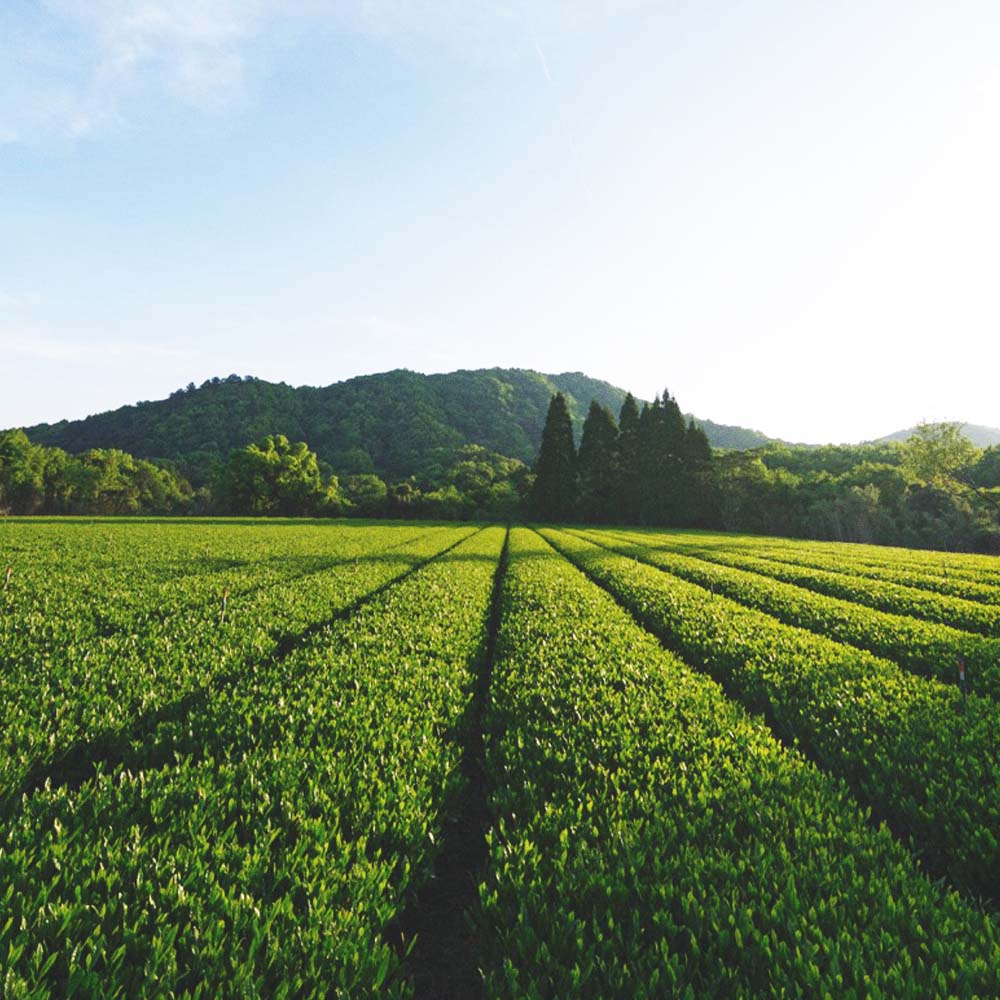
(349, 759)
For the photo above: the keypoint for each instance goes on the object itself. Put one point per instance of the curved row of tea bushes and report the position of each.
(107, 688)
(924, 566)
(930, 560)
(902, 742)
(272, 861)
(973, 577)
(968, 588)
(51, 603)
(654, 840)
(958, 566)
(898, 599)
(926, 648)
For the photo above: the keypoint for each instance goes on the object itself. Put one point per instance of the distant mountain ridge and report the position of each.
(980, 436)
(396, 423)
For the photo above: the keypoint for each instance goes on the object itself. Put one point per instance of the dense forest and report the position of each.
(39, 480)
(934, 489)
(644, 464)
(395, 425)
(648, 468)
(274, 477)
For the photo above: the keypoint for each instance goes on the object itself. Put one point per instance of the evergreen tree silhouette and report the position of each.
(553, 496)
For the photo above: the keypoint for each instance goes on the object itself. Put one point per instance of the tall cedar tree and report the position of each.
(661, 442)
(676, 485)
(649, 418)
(597, 465)
(698, 493)
(627, 491)
(553, 497)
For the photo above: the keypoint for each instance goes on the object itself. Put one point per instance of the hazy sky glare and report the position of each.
(786, 213)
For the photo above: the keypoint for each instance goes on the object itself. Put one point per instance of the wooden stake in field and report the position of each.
(225, 602)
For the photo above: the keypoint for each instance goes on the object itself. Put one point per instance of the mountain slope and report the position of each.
(397, 423)
(980, 436)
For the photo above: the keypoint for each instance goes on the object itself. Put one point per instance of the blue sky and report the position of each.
(786, 213)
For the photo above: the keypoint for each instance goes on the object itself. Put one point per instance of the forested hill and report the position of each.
(396, 424)
(980, 436)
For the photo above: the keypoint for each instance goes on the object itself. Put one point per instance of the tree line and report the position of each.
(274, 477)
(39, 480)
(935, 490)
(649, 467)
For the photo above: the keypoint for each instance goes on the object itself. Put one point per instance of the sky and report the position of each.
(785, 213)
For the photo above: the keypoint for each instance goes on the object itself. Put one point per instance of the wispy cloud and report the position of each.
(541, 57)
(195, 49)
(70, 69)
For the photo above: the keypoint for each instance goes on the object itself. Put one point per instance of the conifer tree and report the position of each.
(698, 500)
(662, 441)
(696, 446)
(674, 429)
(596, 465)
(628, 463)
(672, 480)
(649, 424)
(553, 496)
(654, 468)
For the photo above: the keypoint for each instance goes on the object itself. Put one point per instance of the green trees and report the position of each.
(395, 424)
(271, 477)
(276, 478)
(931, 491)
(39, 480)
(22, 473)
(668, 458)
(597, 465)
(986, 471)
(627, 491)
(366, 494)
(661, 456)
(109, 481)
(698, 487)
(935, 453)
(936, 490)
(653, 469)
(553, 497)
(490, 484)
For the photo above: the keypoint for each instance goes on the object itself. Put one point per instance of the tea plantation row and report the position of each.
(272, 852)
(238, 760)
(924, 647)
(922, 757)
(70, 692)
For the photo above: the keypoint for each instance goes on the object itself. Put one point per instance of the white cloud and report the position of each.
(195, 48)
(71, 70)
(74, 66)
